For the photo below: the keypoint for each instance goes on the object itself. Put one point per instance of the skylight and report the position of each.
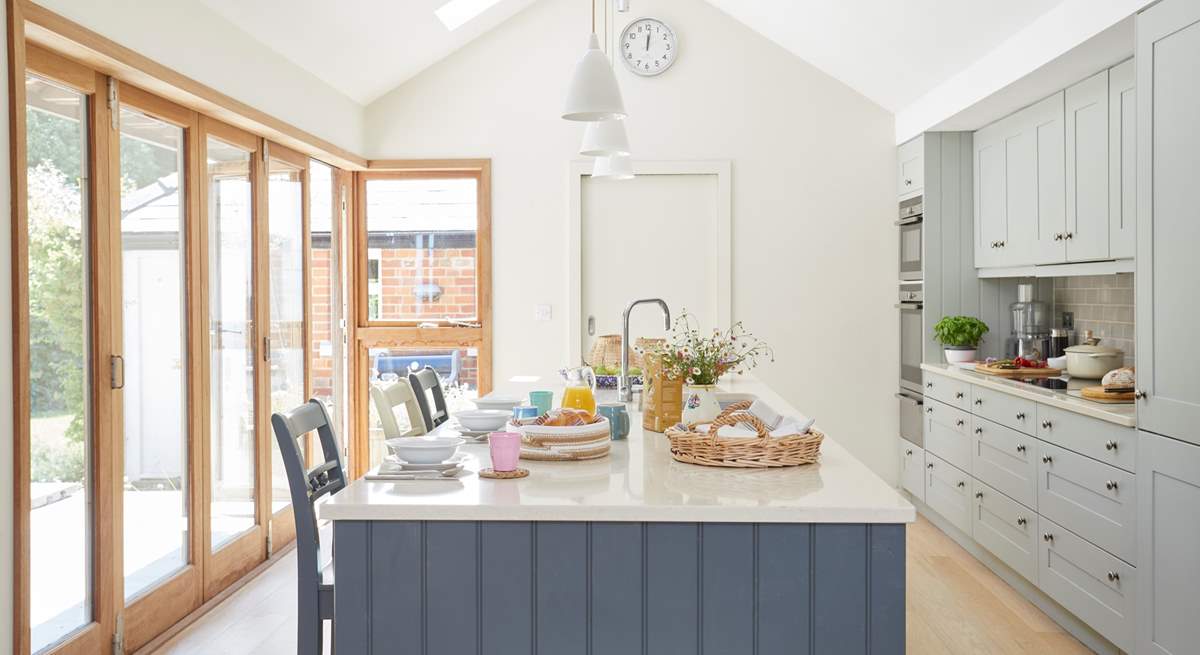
(456, 13)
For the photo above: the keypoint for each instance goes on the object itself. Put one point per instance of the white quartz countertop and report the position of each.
(639, 481)
(1125, 415)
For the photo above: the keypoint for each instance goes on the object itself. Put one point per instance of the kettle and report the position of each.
(581, 388)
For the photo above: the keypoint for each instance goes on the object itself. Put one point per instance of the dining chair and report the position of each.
(387, 397)
(315, 581)
(427, 380)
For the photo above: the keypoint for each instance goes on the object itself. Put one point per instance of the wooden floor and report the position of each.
(955, 606)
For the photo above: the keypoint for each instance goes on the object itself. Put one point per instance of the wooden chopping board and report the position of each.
(1099, 395)
(1018, 372)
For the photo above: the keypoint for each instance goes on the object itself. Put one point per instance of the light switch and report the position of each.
(541, 312)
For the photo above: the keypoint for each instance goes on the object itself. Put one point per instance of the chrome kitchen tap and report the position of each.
(624, 392)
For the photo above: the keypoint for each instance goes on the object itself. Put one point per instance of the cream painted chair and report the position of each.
(387, 397)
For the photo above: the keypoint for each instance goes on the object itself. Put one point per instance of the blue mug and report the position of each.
(524, 411)
(618, 419)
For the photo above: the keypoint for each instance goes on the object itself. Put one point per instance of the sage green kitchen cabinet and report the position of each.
(1020, 183)
(1168, 268)
(911, 167)
(1085, 234)
(1122, 160)
(1168, 536)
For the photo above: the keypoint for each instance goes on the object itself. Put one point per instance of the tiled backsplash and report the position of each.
(1102, 304)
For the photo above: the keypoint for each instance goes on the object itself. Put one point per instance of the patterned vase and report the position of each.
(700, 403)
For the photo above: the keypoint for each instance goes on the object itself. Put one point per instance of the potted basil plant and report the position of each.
(960, 337)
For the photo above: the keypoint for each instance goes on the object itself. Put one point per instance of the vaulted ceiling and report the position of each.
(891, 51)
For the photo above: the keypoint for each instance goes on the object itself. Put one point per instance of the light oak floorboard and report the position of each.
(955, 605)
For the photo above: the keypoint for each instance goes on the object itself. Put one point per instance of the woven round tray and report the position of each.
(762, 451)
(503, 475)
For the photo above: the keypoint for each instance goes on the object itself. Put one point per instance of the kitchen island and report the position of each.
(631, 553)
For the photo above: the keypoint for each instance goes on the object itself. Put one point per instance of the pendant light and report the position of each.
(604, 138)
(593, 94)
(615, 167)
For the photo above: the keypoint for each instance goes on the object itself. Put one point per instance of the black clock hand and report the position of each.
(647, 42)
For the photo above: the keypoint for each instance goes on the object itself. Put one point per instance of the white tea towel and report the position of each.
(766, 414)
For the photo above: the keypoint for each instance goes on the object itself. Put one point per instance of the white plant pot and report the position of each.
(700, 403)
(960, 355)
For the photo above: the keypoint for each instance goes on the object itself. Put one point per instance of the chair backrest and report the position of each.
(387, 397)
(308, 485)
(424, 380)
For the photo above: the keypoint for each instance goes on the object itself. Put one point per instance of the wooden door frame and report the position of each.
(366, 333)
(722, 168)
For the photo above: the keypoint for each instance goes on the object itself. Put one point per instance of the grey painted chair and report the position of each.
(387, 397)
(315, 584)
(427, 380)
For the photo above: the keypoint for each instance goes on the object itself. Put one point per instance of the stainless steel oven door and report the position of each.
(912, 422)
(911, 266)
(912, 339)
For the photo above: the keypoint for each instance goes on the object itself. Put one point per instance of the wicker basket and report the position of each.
(762, 451)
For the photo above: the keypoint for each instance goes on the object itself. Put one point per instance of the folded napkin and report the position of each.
(778, 424)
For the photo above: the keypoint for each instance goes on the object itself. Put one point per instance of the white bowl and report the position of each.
(497, 401)
(483, 420)
(424, 450)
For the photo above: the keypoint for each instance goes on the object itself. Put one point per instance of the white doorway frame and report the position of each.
(723, 299)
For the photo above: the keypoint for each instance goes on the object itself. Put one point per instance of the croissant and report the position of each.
(565, 417)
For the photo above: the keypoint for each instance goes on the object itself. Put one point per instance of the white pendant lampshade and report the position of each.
(604, 138)
(593, 94)
(616, 167)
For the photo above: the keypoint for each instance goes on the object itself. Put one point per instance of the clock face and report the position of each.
(648, 46)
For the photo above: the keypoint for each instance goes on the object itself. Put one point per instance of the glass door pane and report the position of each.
(327, 359)
(285, 245)
(231, 322)
(60, 539)
(154, 343)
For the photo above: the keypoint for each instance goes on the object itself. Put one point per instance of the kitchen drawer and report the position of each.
(948, 491)
(1093, 585)
(1005, 459)
(1110, 443)
(912, 469)
(948, 390)
(1007, 529)
(947, 434)
(1096, 501)
(1007, 410)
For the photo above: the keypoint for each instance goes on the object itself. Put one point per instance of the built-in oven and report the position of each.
(910, 224)
(912, 339)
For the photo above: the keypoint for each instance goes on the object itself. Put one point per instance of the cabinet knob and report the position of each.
(1021, 448)
(1002, 244)
(928, 410)
(1021, 520)
(1058, 236)
(908, 452)
(929, 465)
(958, 394)
(1110, 445)
(1110, 485)
(979, 494)
(978, 430)
(907, 182)
(1046, 425)
(1020, 416)
(1046, 459)
(1113, 576)
(978, 401)
(1139, 394)
(1046, 536)
(928, 385)
(1069, 235)
(961, 484)
(959, 422)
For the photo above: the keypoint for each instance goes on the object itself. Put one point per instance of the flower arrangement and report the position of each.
(702, 360)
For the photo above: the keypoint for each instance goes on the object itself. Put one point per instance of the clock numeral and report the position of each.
(629, 55)
(657, 64)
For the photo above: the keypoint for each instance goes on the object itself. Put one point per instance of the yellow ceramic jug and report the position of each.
(581, 387)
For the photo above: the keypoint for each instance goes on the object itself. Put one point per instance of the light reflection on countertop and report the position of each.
(639, 481)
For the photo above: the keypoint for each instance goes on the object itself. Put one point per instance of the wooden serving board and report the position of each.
(1018, 372)
(1099, 395)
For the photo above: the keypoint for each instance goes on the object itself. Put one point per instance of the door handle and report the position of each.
(116, 364)
(591, 326)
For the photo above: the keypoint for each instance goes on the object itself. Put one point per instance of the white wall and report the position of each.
(6, 391)
(191, 39)
(813, 193)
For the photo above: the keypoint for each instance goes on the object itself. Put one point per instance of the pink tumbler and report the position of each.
(505, 449)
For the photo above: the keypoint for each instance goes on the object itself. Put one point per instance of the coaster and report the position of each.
(503, 475)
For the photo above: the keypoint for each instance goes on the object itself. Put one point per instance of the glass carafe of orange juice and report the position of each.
(581, 387)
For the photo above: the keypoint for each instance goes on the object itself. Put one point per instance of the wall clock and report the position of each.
(649, 46)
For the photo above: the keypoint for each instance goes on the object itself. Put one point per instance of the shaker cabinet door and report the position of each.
(1168, 226)
(1122, 161)
(1168, 531)
(991, 200)
(911, 167)
(1087, 231)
